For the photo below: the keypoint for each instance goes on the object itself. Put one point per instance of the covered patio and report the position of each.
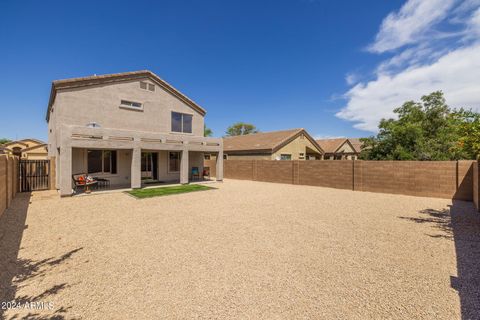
(119, 159)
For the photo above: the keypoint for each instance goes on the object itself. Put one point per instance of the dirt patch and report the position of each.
(247, 250)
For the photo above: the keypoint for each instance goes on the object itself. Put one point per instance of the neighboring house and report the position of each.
(340, 149)
(127, 128)
(357, 145)
(295, 144)
(27, 149)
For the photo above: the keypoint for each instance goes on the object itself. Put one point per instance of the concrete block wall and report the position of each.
(331, 174)
(8, 180)
(440, 179)
(476, 185)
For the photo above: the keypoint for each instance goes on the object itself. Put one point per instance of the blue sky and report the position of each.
(332, 67)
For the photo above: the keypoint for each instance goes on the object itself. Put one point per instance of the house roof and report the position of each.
(35, 147)
(356, 143)
(264, 142)
(22, 141)
(118, 77)
(331, 145)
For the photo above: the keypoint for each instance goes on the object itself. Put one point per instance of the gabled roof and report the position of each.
(118, 77)
(356, 143)
(22, 141)
(35, 147)
(331, 145)
(264, 142)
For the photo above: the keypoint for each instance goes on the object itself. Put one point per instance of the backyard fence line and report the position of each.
(8, 180)
(476, 185)
(440, 179)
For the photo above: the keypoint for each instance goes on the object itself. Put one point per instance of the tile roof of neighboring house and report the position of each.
(331, 145)
(356, 143)
(22, 141)
(35, 147)
(116, 77)
(265, 142)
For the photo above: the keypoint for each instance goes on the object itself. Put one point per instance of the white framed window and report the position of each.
(182, 122)
(126, 104)
(173, 162)
(285, 157)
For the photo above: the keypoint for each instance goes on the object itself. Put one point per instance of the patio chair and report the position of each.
(206, 172)
(195, 173)
(81, 180)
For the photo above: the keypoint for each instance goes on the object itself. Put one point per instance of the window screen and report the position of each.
(182, 122)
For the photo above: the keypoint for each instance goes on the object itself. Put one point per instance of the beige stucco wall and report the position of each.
(101, 104)
(35, 155)
(294, 148)
(40, 153)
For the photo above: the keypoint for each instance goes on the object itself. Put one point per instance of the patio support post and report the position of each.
(219, 169)
(136, 179)
(66, 171)
(184, 167)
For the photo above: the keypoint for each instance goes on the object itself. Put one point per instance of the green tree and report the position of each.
(207, 132)
(469, 131)
(425, 130)
(4, 140)
(241, 128)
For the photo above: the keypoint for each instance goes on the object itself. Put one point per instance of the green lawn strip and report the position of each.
(165, 191)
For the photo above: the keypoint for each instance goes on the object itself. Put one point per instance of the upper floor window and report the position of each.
(181, 122)
(147, 86)
(131, 105)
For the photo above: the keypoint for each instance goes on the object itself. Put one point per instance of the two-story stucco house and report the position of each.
(126, 128)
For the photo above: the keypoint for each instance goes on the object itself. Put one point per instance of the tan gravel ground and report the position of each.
(248, 250)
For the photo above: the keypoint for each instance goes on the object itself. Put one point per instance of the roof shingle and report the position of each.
(264, 141)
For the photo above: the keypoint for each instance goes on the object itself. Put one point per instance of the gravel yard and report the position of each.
(246, 250)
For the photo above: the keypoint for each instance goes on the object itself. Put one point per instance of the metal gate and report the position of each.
(33, 175)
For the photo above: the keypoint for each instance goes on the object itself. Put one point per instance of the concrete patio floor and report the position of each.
(247, 250)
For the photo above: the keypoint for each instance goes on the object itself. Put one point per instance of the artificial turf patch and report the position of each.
(165, 191)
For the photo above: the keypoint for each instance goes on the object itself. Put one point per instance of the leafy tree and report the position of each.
(4, 140)
(469, 131)
(241, 128)
(207, 132)
(426, 130)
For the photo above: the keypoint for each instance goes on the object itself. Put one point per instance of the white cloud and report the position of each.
(456, 73)
(449, 62)
(409, 24)
(351, 78)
